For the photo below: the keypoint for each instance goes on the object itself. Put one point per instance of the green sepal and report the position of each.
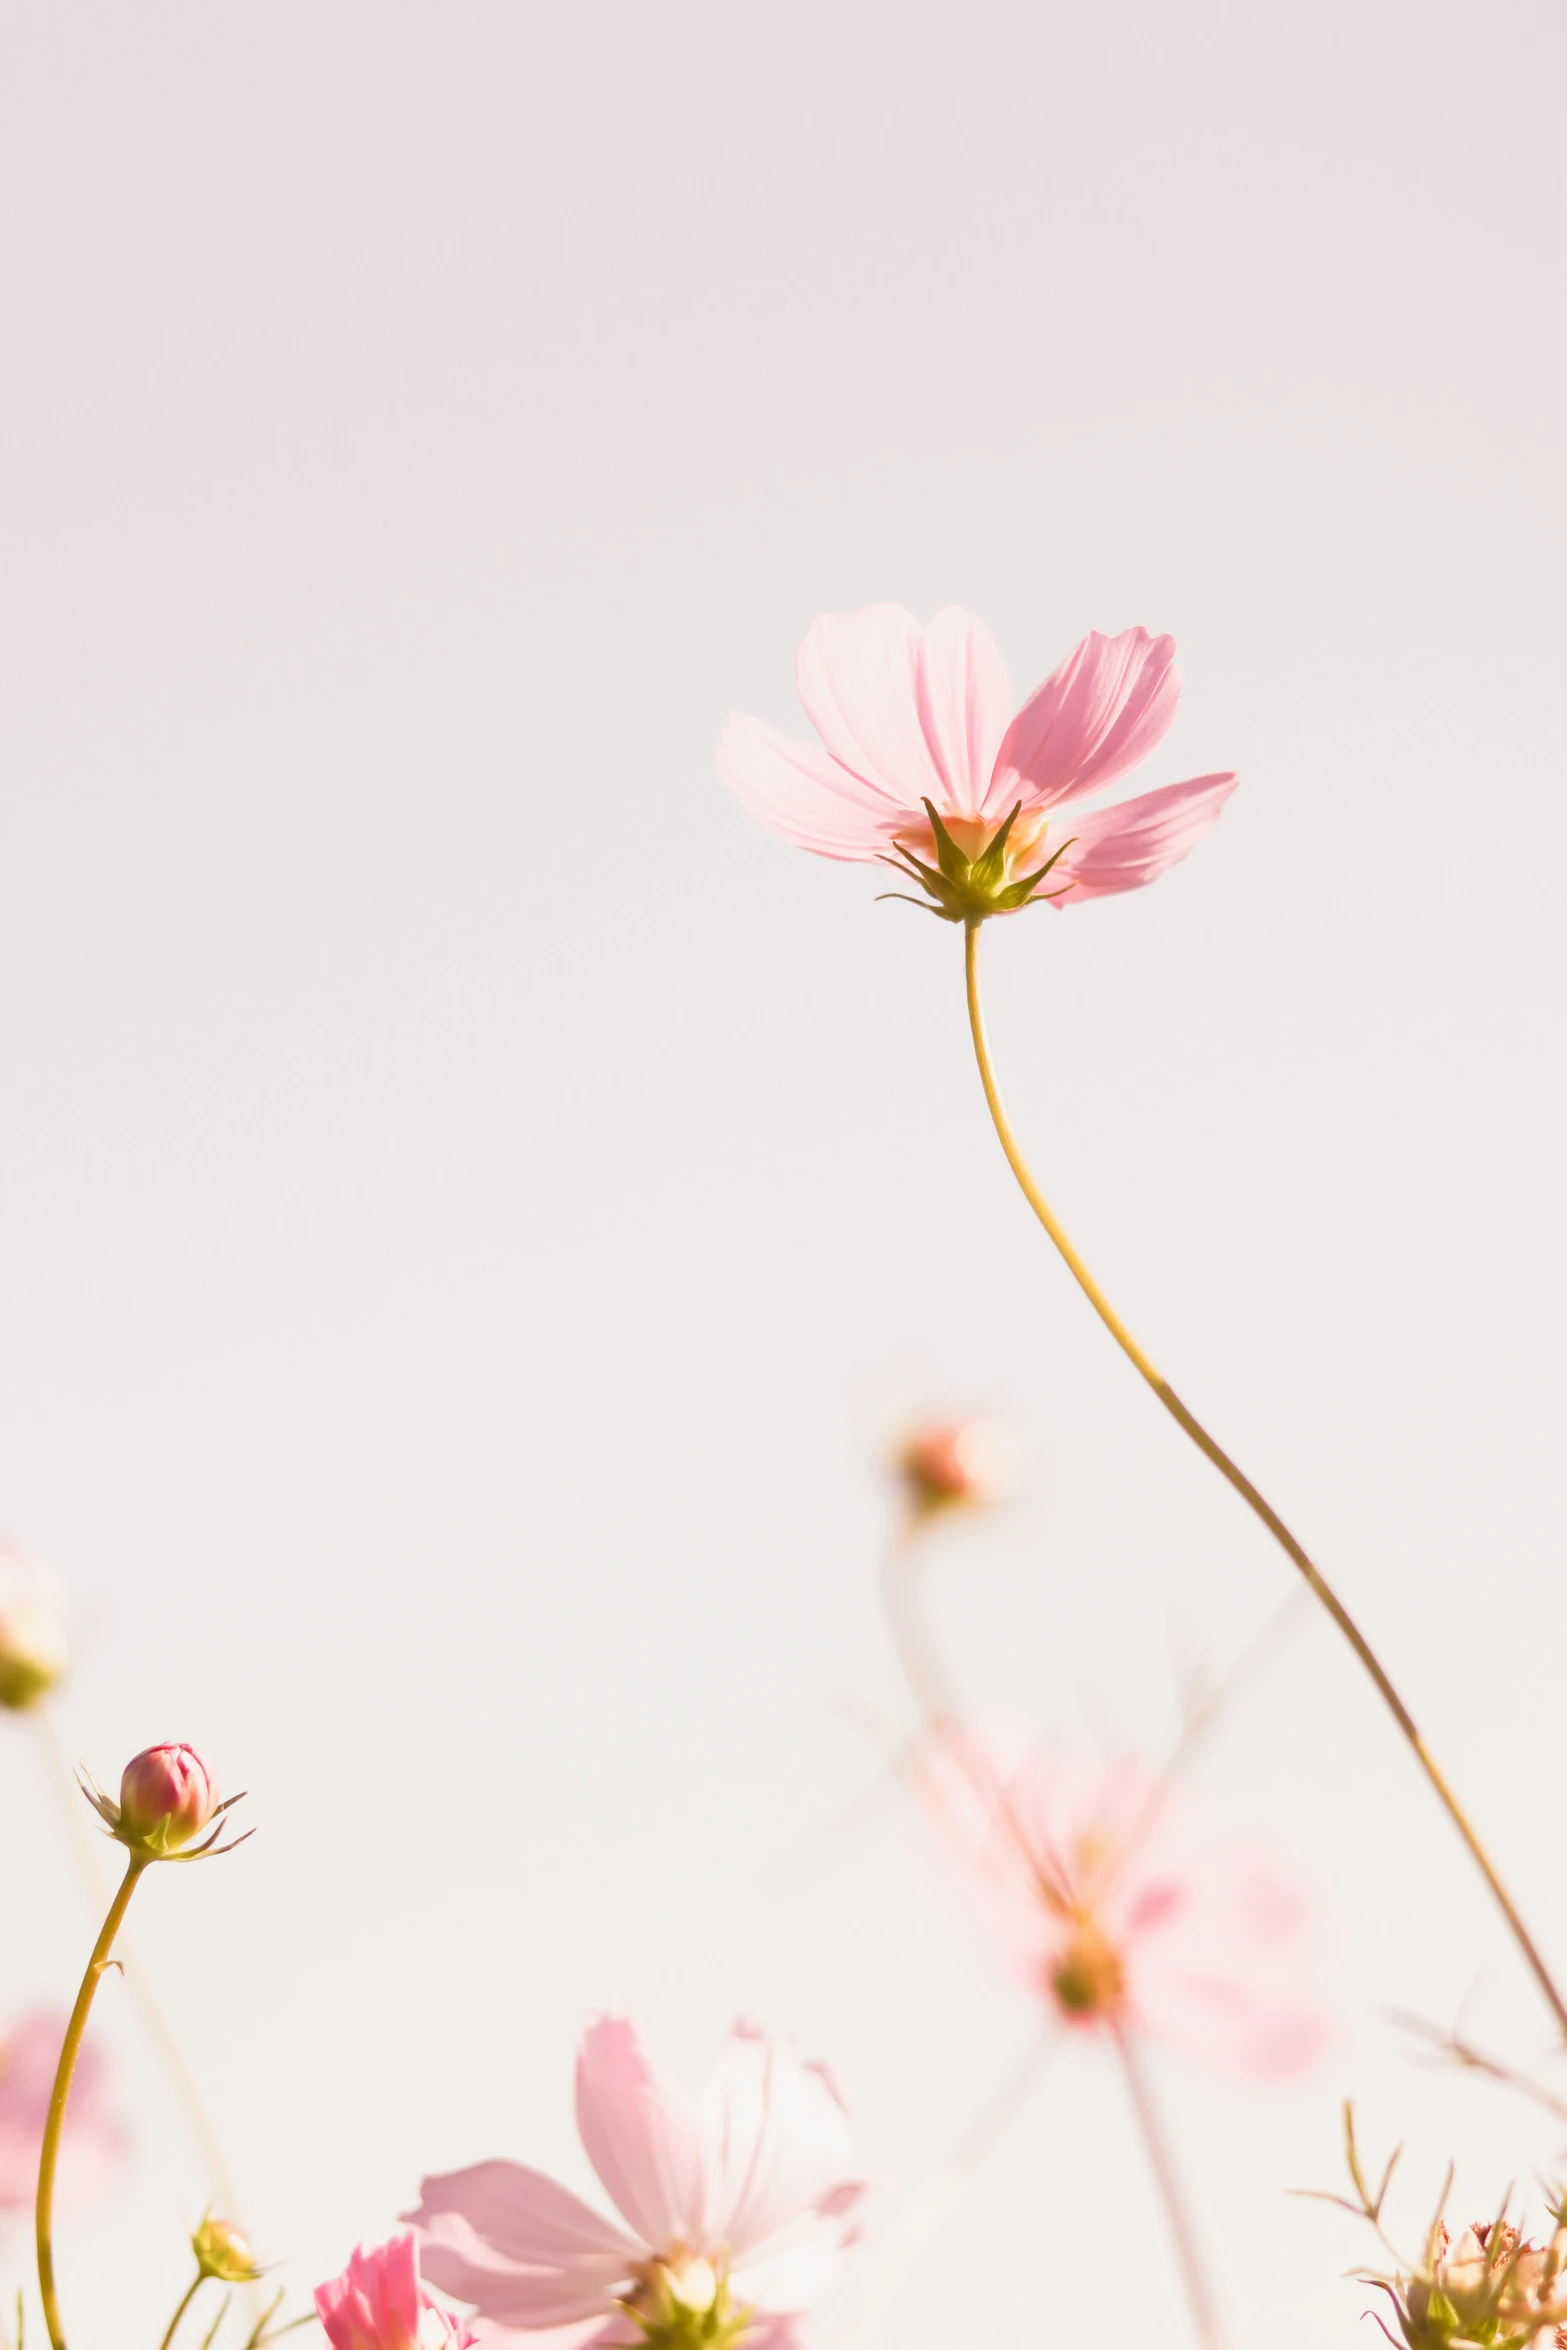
(949, 856)
(990, 864)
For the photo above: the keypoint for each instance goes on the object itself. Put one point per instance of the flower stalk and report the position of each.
(49, 2158)
(1167, 2179)
(1234, 1476)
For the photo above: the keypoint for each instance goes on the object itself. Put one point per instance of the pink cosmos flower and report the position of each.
(736, 2211)
(379, 2303)
(913, 719)
(92, 2148)
(1102, 1887)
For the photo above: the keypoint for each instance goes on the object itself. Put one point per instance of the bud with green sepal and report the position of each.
(33, 1652)
(223, 2251)
(168, 1794)
(976, 877)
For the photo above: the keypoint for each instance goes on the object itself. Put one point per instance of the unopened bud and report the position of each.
(952, 1464)
(167, 1796)
(33, 1653)
(222, 2251)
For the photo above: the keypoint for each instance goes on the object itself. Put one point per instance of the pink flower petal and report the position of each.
(525, 2249)
(377, 2302)
(780, 2141)
(915, 713)
(797, 791)
(1105, 708)
(492, 2335)
(965, 704)
(641, 2135)
(1131, 844)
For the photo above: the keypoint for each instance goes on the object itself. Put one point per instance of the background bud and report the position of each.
(167, 1796)
(952, 1464)
(33, 1653)
(223, 2251)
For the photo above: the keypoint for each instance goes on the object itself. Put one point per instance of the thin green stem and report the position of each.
(191, 2290)
(1242, 1484)
(1167, 2178)
(49, 2157)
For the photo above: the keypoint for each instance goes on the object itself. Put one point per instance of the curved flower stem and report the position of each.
(905, 1620)
(1193, 1427)
(87, 1847)
(1205, 2315)
(50, 2154)
(191, 2290)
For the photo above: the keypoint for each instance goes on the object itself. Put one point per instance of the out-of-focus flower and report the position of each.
(946, 1465)
(223, 2251)
(1103, 1888)
(1488, 2288)
(33, 1652)
(92, 2145)
(379, 2303)
(737, 2211)
(168, 1794)
(924, 767)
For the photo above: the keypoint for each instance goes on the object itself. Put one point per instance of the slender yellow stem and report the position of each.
(49, 2157)
(87, 1848)
(191, 2290)
(1167, 2178)
(1188, 1420)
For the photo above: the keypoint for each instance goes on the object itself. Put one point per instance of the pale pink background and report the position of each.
(467, 1193)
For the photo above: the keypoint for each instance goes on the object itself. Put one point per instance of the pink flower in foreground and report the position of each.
(922, 762)
(736, 2210)
(1103, 1888)
(92, 2148)
(379, 2303)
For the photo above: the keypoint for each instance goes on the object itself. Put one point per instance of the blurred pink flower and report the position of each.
(736, 2211)
(379, 2303)
(92, 2148)
(1102, 1887)
(910, 714)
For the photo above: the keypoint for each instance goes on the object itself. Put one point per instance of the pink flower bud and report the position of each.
(952, 1464)
(167, 1796)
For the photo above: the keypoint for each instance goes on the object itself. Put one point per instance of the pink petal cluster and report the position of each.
(748, 2190)
(1102, 1887)
(379, 2303)
(908, 714)
(167, 1796)
(92, 2148)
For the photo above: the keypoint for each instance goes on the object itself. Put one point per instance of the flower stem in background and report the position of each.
(901, 1564)
(1193, 1427)
(932, 2199)
(186, 2298)
(50, 2155)
(159, 2031)
(1205, 2315)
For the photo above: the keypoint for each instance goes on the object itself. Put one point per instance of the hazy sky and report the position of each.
(470, 1199)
